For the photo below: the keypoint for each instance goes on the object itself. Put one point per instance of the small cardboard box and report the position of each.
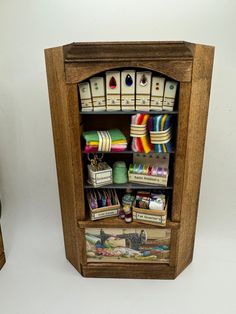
(153, 159)
(151, 217)
(101, 177)
(105, 212)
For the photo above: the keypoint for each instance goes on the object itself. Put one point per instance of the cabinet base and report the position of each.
(129, 271)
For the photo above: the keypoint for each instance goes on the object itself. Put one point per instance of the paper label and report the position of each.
(152, 218)
(147, 179)
(84, 90)
(97, 87)
(127, 89)
(107, 213)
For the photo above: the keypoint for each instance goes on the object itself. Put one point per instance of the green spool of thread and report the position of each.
(120, 174)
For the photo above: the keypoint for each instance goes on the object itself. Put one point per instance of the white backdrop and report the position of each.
(37, 278)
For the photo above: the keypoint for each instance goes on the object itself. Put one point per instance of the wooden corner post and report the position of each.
(66, 133)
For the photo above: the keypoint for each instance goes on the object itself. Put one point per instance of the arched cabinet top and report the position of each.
(120, 51)
(172, 59)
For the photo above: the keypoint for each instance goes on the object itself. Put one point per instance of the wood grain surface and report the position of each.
(197, 121)
(106, 51)
(66, 132)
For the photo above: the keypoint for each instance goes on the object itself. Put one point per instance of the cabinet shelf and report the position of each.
(129, 185)
(116, 222)
(175, 112)
(125, 152)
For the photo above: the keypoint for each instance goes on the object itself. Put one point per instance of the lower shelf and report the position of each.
(129, 185)
(116, 222)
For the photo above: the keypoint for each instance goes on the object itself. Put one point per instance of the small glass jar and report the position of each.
(120, 173)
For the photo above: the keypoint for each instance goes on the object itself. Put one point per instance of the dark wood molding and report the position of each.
(128, 51)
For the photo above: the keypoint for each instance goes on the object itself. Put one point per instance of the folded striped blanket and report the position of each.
(111, 140)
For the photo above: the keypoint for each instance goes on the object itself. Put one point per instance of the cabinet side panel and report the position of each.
(66, 133)
(198, 112)
(180, 156)
(2, 255)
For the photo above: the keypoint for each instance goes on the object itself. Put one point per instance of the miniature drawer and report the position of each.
(151, 217)
(99, 178)
(147, 179)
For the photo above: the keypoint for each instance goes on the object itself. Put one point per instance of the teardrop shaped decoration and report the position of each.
(128, 80)
(143, 80)
(112, 83)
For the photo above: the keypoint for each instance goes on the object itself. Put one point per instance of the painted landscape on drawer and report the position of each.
(127, 245)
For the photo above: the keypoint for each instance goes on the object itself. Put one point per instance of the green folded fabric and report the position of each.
(92, 136)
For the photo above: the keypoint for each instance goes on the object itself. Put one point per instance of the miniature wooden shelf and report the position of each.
(116, 222)
(123, 152)
(175, 112)
(130, 185)
(190, 65)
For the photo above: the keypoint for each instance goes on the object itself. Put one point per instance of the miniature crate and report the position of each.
(101, 177)
(104, 212)
(151, 217)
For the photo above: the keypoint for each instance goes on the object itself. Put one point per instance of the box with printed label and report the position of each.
(100, 177)
(151, 217)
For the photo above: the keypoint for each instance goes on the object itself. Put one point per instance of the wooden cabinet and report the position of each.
(188, 64)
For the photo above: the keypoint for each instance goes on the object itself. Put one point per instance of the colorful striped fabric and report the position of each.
(160, 128)
(140, 141)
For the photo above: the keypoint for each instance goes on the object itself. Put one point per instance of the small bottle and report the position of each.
(128, 212)
(127, 203)
(121, 213)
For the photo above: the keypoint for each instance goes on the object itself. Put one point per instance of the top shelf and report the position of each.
(127, 112)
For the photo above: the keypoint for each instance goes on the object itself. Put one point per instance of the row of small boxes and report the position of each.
(128, 90)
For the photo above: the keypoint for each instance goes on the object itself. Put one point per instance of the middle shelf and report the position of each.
(123, 152)
(130, 185)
